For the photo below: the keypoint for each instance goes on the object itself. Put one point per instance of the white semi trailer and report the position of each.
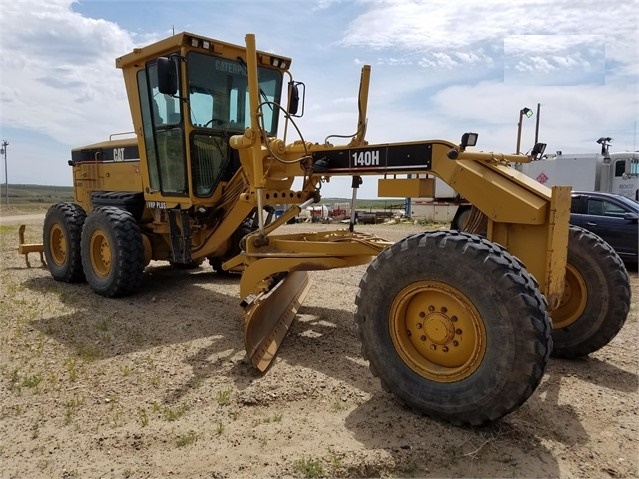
(607, 172)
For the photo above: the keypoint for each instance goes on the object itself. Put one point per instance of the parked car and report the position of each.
(610, 216)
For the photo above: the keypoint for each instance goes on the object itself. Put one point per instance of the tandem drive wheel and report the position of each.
(596, 297)
(61, 239)
(112, 251)
(454, 326)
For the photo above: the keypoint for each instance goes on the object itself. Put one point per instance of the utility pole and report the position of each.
(3, 151)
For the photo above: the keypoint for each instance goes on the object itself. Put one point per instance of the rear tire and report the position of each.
(216, 265)
(62, 232)
(454, 326)
(112, 251)
(596, 297)
(461, 218)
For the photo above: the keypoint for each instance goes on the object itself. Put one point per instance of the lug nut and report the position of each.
(422, 337)
(458, 331)
(455, 343)
(422, 314)
(433, 347)
(419, 325)
(445, 349)
(408, 333)
(431, 308)
(444, 309)
(453, 318)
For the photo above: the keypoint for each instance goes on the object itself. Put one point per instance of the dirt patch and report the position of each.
(157, 385)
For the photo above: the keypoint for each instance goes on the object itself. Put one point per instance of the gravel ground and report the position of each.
(157, 385)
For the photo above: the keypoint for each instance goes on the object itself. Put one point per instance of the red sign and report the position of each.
(542, 178)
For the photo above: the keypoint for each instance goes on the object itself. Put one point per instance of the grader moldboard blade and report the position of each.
(269, 316)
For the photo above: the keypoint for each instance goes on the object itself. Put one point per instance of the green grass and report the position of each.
(176, 413)
(88, 353)
(409, 470)
(339, 406)
(102, 325)
(72, 368)
(335, 460)
(144, 418)
(309, 467)
(223, 397)
(21, 195)
(31, 381)
(267, 420)
(187, 439)
(70, 408)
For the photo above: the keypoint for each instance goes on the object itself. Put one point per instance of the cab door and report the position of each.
(163, 137)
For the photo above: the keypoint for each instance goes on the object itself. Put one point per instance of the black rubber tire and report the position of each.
(608, 296)
(216, 265)
(120, 233)
(63, 224)
(461, 218)
(512, 309)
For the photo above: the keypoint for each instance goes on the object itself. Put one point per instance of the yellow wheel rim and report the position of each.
(58, 245)
(437, 331)
(100, 251)
(573, 301)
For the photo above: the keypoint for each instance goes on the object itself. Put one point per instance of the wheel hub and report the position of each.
(573, 300)
(100, 254)
(437, 331)
(58, 244)
(439, 328)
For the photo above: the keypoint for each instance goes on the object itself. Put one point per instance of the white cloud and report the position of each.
(457, 27)
(59, 62)
(555, 59)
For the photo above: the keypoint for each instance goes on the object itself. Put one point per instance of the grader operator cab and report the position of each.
(456, 325)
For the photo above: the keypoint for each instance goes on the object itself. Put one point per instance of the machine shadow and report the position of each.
(436, 449)
(597, 372)
(174, 307)
(170, 307)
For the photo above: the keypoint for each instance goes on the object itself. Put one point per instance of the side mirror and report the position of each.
(632, 217)
(167, 75)
(294, 98)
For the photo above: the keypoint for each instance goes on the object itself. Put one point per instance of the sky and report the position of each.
(439, 68)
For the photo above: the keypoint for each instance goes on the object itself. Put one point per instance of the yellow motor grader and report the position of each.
(457, 325)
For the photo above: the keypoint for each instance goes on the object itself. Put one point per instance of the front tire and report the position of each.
(62, 232)
(112, 251)
(454, 326)
(596, 297)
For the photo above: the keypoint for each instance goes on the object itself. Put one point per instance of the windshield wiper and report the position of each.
(241, 61)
